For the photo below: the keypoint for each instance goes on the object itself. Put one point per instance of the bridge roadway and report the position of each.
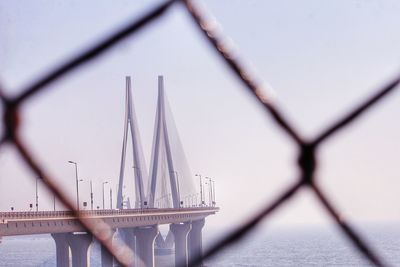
(64, 226)
(48, 222)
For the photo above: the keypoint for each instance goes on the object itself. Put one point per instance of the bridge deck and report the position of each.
(45, 222)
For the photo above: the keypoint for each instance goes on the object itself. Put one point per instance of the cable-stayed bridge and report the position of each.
(164, 195)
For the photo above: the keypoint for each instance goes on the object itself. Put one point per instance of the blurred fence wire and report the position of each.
(307, 161)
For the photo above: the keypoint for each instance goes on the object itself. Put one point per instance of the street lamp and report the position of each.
(201, 190)
(103, 193)
(213, 184)
(205, 183)
(54, 201)
(210, 191)
(110, 198)
(77, 182)
(37, 197)
(91, 195)
(80, 180)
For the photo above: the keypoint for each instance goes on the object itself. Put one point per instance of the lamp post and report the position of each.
(209, 190)
(80, 180)
(110, 198)
(91, 195)
(213, 183)
(211, 194)
(54, 202)
(77, 182)
(201, 189)
(116, 192)
(205, 183)
(37, 197)
(103, 193)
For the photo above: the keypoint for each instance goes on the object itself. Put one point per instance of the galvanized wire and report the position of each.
(307, 161)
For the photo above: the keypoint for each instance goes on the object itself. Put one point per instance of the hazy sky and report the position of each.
(320, 57)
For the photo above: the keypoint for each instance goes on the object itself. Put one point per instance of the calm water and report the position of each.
(289, 247)
(310, 247)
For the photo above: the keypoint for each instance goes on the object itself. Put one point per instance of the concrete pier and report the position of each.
(128, 236)
(145, 237)
(181, 231)
(62, 249)
(79, 244)
(106, 257)
(195, 240)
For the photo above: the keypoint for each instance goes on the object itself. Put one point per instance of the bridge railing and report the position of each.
(94, 213)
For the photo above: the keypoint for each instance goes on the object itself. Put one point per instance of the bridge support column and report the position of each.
(106, 257)
(128, 236)
(195, 240)
(145, 237)
(181, 231)
(79, 243)
(62, 249)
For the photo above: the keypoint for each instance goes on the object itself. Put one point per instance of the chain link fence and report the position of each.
(307, 149)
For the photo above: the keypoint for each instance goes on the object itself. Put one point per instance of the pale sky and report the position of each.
(320, 58)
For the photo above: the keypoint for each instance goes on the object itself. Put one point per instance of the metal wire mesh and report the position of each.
(307, 160)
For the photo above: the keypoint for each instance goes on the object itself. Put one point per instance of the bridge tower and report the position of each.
(138, 160)
(162, 147)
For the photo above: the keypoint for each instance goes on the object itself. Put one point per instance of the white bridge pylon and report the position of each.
(162, 150)
(138, 161)
(163, 179)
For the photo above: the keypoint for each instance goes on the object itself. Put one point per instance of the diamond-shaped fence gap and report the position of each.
(210, 116)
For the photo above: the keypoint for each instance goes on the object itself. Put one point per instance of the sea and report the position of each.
(287, 246)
